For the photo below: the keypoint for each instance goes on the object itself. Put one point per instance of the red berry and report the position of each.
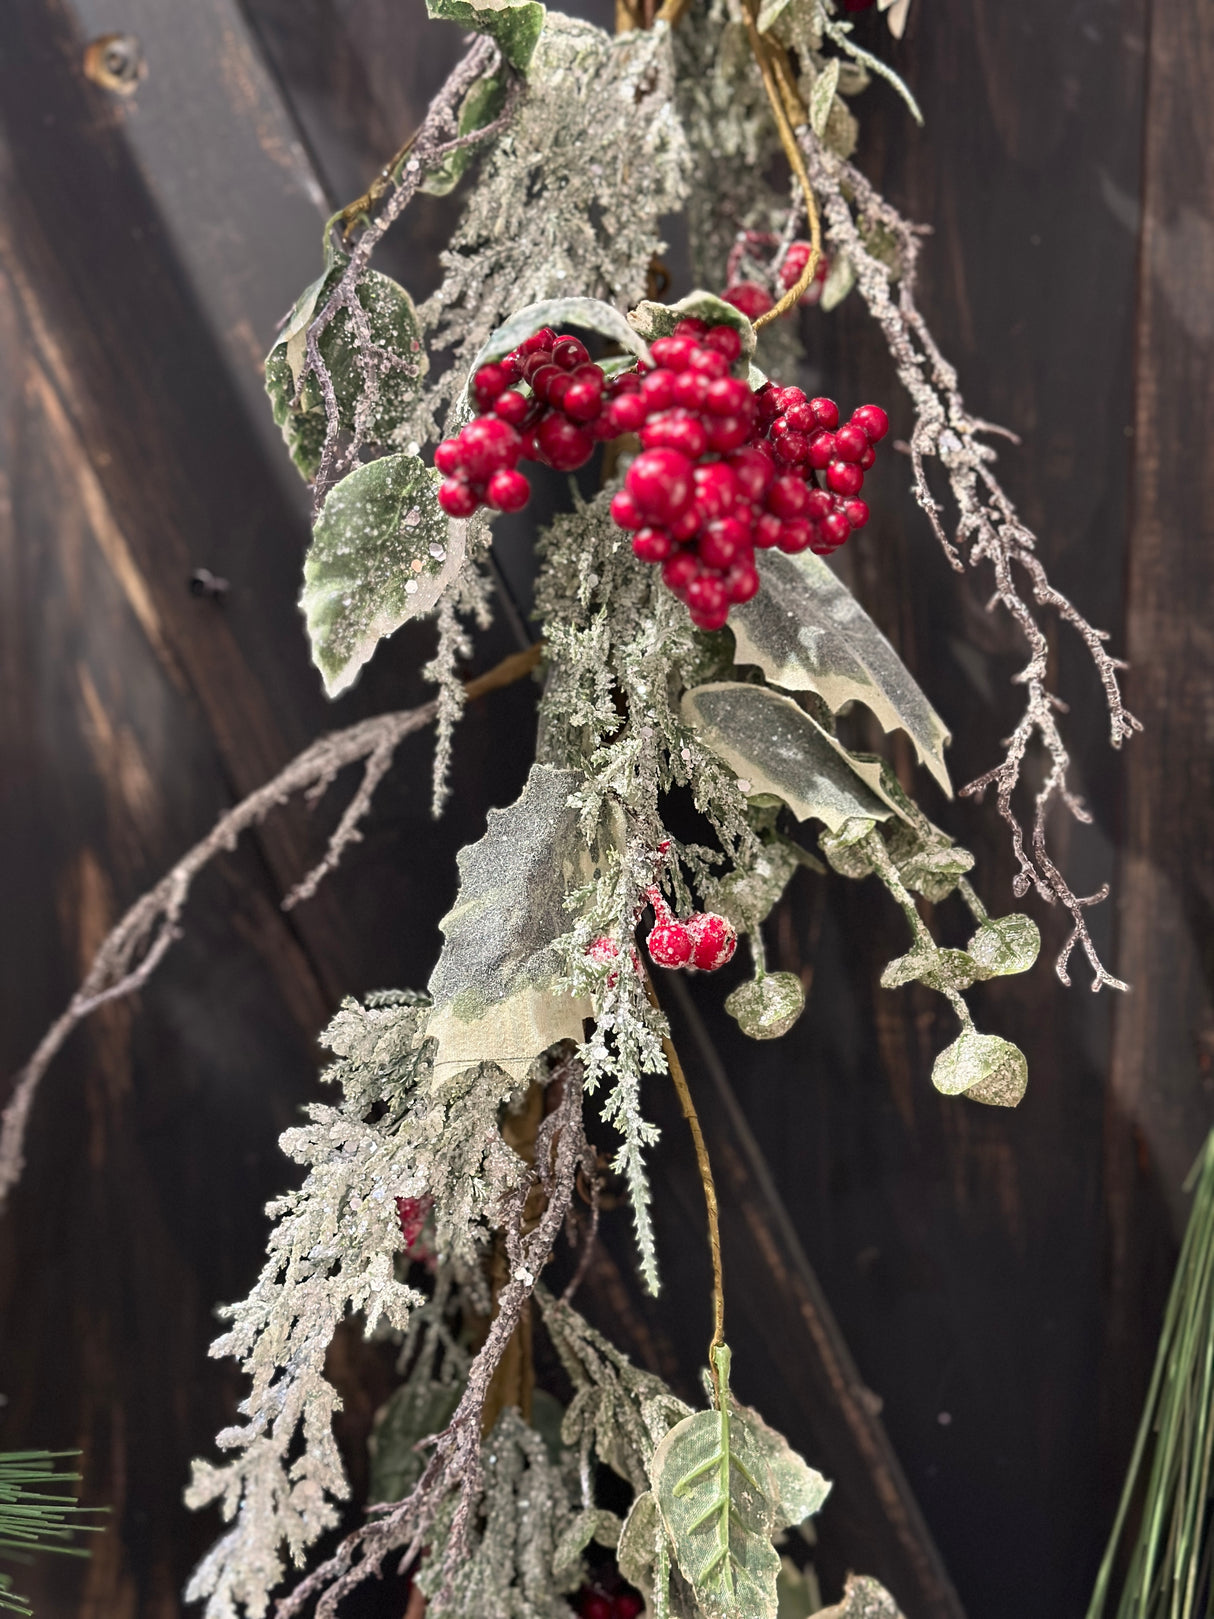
(660, 483)
(628, 1605)
(795, 535)
(543, 378)
(726, 340)
(767, 531)
(850, 443)
(820, 545)
(486, 444)
(727, 432)
(676, 430)
(488, 382)
(709, 363)
(872, 420)
(709, 620)
(534, 363)
(844, 477)
(723, 542)
(742, 581)
(768, 402)
(412, 1212)
(691, 326)
(750, 298)
(691, 390)
(716, 489)
(821, 450)
(679, 570)
(512, 367)
(669, 945)
(707, 594)
(652, 544)
(627, 412)
(657, 390)
(511, 407)
(456, 498)
(543, 339)
(826, 412)
(728, 396)
(788, 397)
(583, 399)
(568, 352)
(794, 264)
(753, 471)
(867, 456)
(508, 490)
(563, 444)
(793, 448)
(819, 503)
(836, 528)
(674, 353)
(788, 496)
(625, 512)
(595, 1606)
(713, 940)
(856, 512)
(447, 457)
(801, 419)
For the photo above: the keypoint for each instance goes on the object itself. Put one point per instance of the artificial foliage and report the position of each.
(695, 649)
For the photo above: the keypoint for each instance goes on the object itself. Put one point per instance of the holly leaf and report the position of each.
(983, 1067)
(653, 320)
(496, 988)
(514, 27)
(382, 552)
(396, 334)
(807, 632)
(590, 314)
(767, 1007)
(413, 1413)
(822, 95)
(1005, 945)
(479, 107)
(775, 747)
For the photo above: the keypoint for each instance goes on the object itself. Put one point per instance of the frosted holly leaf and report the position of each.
(514, 27)
(771, 743)
(479, 107)
(1005, 945)
(594, 1524)
(807, 632)
(495, 987)
(767, 1007)
(983, 1067)
(400, 366)
(590, 314)
(382, 552)
(411, 1414)
(863, 1598)
(717, 1500)
(653, 320)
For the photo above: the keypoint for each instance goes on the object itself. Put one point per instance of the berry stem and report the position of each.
(709, 1185)
(785, 101)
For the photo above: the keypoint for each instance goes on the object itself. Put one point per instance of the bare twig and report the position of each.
(133, 950)
(456, 1462)
(988, 530)
(435, 140)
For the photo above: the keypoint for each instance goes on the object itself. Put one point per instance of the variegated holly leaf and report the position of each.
(383, 551)
(767, 1007)
(496, 988)
(653, 320)
(515, 25)
(773, 746)
(807, 632)
(589, 314)
(1005, 945)
(399, 367)
(983, 1067)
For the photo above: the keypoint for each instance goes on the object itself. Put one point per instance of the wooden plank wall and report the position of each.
(997, 1278)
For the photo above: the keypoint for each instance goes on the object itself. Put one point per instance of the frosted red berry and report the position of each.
(652, 544)
(669, 944)
(713, 940)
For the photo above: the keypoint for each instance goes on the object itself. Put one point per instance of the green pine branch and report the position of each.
(33, 1520)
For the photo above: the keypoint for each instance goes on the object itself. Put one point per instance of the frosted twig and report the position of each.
(988, 530)
(456, 1461)
(435, 140)
(132, 951)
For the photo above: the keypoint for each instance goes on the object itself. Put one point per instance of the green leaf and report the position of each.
(412, 1413)
(847, 850)
(382, 552)
(394, 329)
(495, 987)
(747, 896)
(767, 1007)
(654, 320)
(840, 279)
(799, 1489)
(515, 27)
(983, 1067)
(775, 747)
(939, 969)
(822, 95)
(931, 864)
(807, 632)
(480, 107)
(1005, 945)
(863, 1598)
(596, 1524)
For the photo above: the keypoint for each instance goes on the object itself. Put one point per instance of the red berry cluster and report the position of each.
(705, 940)
(413, 1212)
(724, 471)
(753, 299)
(592, 1602)
(572, 406)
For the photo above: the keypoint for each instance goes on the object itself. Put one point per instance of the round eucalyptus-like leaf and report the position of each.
(516, 27)
(382, 552)
(845, 849)
(767, 1007)
(983, 1067)
(395, 331)
(1005, 945)
(938, 969)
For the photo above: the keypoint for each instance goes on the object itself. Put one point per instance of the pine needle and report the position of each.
(33, 1520)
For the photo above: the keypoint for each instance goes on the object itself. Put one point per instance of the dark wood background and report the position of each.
(997, 1278)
